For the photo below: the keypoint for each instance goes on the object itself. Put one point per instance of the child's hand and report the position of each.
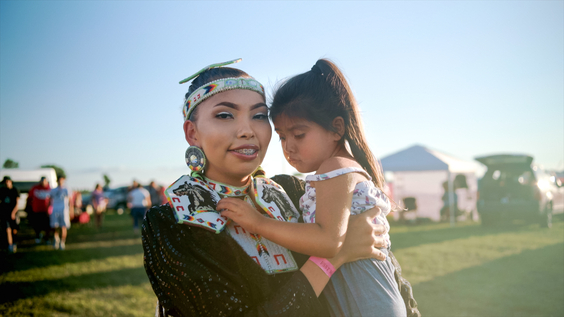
(241, 212)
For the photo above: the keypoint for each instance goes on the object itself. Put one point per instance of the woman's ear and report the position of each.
(191, 133)
(339, 126)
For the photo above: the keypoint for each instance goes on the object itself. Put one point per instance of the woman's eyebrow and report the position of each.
(236, 106)
(258, 105)
(227, 104)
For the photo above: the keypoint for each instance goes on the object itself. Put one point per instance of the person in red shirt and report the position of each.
(39, 218)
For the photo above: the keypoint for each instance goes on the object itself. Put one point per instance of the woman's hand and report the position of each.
(362, 240)
(241, 212)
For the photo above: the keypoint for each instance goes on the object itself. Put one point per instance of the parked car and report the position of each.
(117, 198)
(558, 199)
(514, 188)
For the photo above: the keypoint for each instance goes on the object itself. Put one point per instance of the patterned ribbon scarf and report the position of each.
(194, 199)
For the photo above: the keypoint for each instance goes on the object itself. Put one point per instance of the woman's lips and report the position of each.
(246, 152)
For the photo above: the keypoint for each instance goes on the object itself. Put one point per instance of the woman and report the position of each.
(99, 202)
(229, 272)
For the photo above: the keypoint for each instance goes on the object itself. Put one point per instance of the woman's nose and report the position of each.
(245, 130)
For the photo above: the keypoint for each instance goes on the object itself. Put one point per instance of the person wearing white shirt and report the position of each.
(138, 200)
(60, 216)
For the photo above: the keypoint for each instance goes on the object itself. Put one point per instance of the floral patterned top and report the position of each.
(365, 196)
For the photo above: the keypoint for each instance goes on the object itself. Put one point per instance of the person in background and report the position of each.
(60, 217)
(9, 197)
(77, 203)
(134, 185)
(153, 190)
(138, 200)
(38, 198)
(162, 195)
(99, 203)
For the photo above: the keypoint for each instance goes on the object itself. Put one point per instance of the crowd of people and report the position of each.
(50, 211)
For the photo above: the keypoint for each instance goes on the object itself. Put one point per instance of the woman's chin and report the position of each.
(234, 174)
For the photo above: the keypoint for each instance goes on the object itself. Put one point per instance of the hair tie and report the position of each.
(316, 70)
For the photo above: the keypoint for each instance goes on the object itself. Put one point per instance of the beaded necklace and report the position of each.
(225, 190)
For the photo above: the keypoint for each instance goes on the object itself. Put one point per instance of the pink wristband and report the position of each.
(323, 264)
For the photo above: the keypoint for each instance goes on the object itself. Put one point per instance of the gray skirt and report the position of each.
(365, 288)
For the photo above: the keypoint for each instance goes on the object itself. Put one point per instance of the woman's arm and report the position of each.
(196, 272)
(363, 241)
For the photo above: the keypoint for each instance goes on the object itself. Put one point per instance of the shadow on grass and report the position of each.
(416, 236)
(114, 227)
(13, 291)
(28, 260)
(526, 284)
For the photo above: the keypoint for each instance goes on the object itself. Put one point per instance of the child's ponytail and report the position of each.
(320, 95)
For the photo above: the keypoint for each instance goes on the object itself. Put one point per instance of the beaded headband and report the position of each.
(217, 86)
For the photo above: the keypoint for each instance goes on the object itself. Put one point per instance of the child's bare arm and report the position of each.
(323, 238)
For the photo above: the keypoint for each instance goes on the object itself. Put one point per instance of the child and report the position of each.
(62, 208)
(317, 118)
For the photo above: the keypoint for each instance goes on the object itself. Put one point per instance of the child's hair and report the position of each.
(321, 95)
(209, 76)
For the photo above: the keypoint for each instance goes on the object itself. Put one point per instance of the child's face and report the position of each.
(305, 143)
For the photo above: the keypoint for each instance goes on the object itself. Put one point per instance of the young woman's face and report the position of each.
(233, 130)
(305, 143)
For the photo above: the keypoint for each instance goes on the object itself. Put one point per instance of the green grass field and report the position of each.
(468, 270)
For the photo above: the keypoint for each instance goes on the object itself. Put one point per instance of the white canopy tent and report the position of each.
(420, 172)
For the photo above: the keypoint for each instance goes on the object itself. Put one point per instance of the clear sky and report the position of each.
(92, 86)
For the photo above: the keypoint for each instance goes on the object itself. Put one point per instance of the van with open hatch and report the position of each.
(515, 188)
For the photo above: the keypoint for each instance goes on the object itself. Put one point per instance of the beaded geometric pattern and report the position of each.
(216, 87)
(194, 200)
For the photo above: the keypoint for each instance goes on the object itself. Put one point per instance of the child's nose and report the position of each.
(288, 146)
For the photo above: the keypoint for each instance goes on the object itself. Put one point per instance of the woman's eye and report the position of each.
(224, 115)
(261, 116)
(282, 138)
(299, 136)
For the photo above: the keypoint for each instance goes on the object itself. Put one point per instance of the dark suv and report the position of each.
(514, 188)
(117, 198)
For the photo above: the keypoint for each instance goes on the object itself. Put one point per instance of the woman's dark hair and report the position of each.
(209, 76)
(321, 95)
